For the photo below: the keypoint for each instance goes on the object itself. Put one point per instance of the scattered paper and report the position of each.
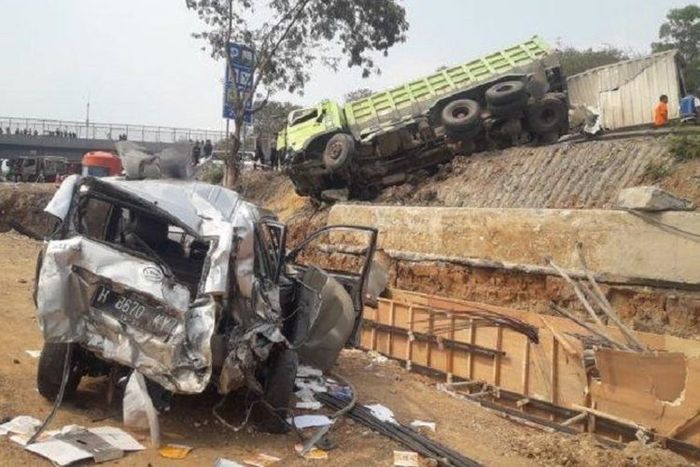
(304, 371)
(221, 462)
(308, 421)
(21, 425)
(382, 413)
(312, 385)
(59, 452)
(33, 353)
(422, 424)
(120, 439)
(406, 459)
(313, 454)
(174, 451)
(309, 405)
(262, 460)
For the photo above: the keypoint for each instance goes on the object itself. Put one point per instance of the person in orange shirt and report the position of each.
(661, 112)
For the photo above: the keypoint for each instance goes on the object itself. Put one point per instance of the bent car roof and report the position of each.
(189, 201)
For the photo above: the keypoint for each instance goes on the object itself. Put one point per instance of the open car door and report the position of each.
(330, 301)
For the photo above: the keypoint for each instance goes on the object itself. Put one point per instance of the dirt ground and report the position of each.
(469, 429)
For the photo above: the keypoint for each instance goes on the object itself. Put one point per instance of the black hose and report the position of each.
(59, 397)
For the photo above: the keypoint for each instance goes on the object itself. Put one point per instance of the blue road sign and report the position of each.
(242, 60)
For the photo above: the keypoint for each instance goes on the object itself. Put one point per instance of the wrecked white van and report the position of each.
(189, 285)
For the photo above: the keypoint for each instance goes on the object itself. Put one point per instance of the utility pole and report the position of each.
(87, 117)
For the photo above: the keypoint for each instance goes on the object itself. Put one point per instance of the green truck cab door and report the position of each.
(305, 126)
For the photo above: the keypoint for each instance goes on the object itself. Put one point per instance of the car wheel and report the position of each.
(548, 115)
(278, 388)
(339, 150)
(50, 370)
(461, 116)
(505, 93)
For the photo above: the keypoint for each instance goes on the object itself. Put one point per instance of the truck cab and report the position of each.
(308, 125)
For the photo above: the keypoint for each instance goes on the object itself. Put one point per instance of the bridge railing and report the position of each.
(110, 131)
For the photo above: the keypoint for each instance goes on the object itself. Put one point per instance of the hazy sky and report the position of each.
(137, 62)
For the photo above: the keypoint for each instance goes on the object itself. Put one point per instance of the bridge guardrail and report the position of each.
(110, 131)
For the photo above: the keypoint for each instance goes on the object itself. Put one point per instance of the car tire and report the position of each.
(505, 93)
(278, 389)
(50, 370)
(461, 117)
(509, 109)
(548, 115)
(338, 152)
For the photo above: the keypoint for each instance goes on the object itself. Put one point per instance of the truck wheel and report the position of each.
(509, 109)
(279, 386)
(548, 115)
(461, 116)
(50, 370)
(339, 151)
(505, 93)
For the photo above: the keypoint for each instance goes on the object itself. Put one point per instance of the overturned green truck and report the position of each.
(511, 97)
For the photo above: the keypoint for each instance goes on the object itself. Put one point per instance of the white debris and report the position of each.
(120, 439)
(309, 405)
(382, 413)
(377, 357)
(138, 408)
(306, 371)
(652, 198)
(21, 425)
(311, 384)
(406, 459)
(59, 452)
(33, 353)
(308, 421)
(422, 424)
(221, 462)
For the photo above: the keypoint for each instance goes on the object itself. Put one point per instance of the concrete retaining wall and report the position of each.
(618, 245)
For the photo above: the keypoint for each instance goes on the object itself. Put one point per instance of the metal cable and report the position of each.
(59, 397)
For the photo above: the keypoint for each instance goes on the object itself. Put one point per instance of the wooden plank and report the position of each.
(497, 359)
(526, 369)
(470, 357)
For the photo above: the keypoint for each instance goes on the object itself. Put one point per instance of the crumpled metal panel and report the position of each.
(72, 270)
(60, 203)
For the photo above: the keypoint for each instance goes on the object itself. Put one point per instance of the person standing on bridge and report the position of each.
(208, 149)
(196, 153)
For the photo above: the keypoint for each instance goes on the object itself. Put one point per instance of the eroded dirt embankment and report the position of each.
(585, 175)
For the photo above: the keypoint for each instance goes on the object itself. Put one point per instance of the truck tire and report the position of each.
(270, 416)
(50, 370)
(461, 117)
(548, 115)
(505, 93)
(509, 109)
(339, 150)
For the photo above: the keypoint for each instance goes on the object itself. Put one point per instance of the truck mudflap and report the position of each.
(126, 310)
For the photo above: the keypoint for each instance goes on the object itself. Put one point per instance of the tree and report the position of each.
(291, 36)
(272, 117)
(574, 61)
(357, 94)
(681, 31)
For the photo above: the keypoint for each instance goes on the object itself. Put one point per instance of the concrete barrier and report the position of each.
(619, 246)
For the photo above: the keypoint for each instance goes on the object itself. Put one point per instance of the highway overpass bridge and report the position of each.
(31, 137)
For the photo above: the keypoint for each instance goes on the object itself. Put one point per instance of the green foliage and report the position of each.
(357, 94)
(656, 170)
(684, 147)
(272, 117)
(212, 174)
(681, 31)
(574, 61)
(291, 36)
